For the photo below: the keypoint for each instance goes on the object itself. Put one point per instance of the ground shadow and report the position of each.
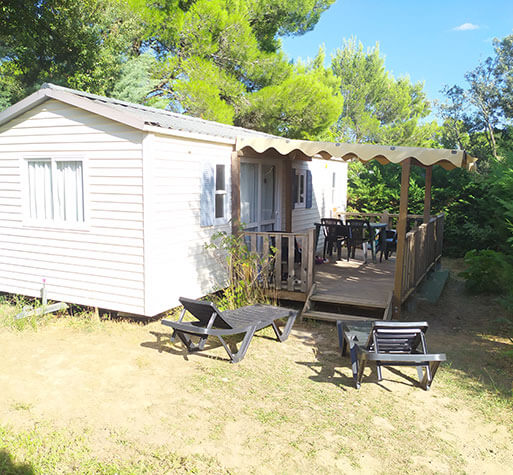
(329, 364)
(473, 331)
(163, 343)
(9, 467)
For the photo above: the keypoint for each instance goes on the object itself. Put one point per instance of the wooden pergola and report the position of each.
(289, 150)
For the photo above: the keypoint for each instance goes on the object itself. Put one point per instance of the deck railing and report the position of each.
(423, 248)
(292, 255)
(391, 219)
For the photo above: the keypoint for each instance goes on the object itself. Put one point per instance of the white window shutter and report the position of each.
(293, 188)
(309, 190)
(207, 195)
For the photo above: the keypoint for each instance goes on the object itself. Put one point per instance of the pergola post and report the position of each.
(235, 181)
(427, 194)
(401, 236)
(287, 185)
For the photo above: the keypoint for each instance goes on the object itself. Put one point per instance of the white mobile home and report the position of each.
(111, 203)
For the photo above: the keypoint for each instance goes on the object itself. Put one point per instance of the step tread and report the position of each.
(334, 316)
(347, 301)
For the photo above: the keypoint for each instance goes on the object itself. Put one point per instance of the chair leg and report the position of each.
(187, 341)
(239, 355)
(360, 369)
(353, 353)
(378, 371)
(283, 335)
(429, 374)
(341, 339)
(420, 373)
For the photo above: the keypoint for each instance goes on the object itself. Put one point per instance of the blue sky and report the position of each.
(431, 41)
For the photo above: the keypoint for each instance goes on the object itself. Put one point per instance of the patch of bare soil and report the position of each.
(286, 408)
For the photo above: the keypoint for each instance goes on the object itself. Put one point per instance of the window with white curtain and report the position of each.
(220, 192)
(300, 188)
(56, 190)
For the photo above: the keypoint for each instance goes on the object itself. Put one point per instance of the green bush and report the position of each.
(249, 274)
(488, 272)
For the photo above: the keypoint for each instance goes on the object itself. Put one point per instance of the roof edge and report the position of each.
(190, 135)
(448, 159)
(23, 106)
(46, 93)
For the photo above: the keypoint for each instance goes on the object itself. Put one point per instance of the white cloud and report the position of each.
(466, 27)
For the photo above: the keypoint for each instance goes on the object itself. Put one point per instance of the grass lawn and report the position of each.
(85, 396)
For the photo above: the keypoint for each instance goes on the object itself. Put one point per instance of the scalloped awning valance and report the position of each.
(448, 159)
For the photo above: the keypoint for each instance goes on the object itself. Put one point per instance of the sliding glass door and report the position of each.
(258, 196)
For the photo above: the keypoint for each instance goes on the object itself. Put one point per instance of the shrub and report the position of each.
(248, 273)
(488, 272)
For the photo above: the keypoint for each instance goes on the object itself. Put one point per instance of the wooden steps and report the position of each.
(331, 307)
(332, 317)
(341, 300)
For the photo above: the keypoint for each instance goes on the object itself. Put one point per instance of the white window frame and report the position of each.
(334, 180)
(222, 192)
(300, 174)
(54, 223)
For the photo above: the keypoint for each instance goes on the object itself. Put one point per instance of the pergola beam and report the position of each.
(427, 194)
(401, 236)
(235, 181)
(287, 186)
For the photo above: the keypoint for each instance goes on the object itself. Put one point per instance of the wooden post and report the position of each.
(287, 202)
(427, 194)
(235, 180)
(401, 236)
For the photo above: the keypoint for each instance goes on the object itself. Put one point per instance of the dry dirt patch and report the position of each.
(285, 408)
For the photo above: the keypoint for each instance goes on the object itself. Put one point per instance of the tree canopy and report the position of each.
(377, 107)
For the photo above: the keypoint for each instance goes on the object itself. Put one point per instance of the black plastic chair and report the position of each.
(389, 344)
(387, 243)
(335, 233)
(358, 232)
(212, 322)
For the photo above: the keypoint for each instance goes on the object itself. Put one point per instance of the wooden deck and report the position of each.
(347, 289)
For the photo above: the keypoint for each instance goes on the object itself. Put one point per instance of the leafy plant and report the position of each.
(249, 274)
(487, 272)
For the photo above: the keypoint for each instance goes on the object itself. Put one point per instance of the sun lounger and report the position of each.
(212, 322)
(388, 344)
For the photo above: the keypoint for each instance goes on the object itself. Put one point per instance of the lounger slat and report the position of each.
(212, 322)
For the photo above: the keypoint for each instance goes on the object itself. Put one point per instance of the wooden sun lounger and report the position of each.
(212, 322)
(388, 344)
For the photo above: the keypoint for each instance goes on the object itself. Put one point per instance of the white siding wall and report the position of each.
(101, 265)
(177, 263)
(323, 198)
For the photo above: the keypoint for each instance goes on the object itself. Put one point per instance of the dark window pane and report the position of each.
(220, 206)
(220, 184)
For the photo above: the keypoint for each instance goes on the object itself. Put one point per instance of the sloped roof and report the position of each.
(135, 115)
(143, 118)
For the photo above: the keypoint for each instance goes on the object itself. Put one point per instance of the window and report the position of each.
(55, 190)
(220, 197)
(300, 188)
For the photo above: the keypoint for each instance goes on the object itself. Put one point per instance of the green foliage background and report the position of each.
(222, 60)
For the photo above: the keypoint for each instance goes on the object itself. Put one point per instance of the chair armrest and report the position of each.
(401, 357)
